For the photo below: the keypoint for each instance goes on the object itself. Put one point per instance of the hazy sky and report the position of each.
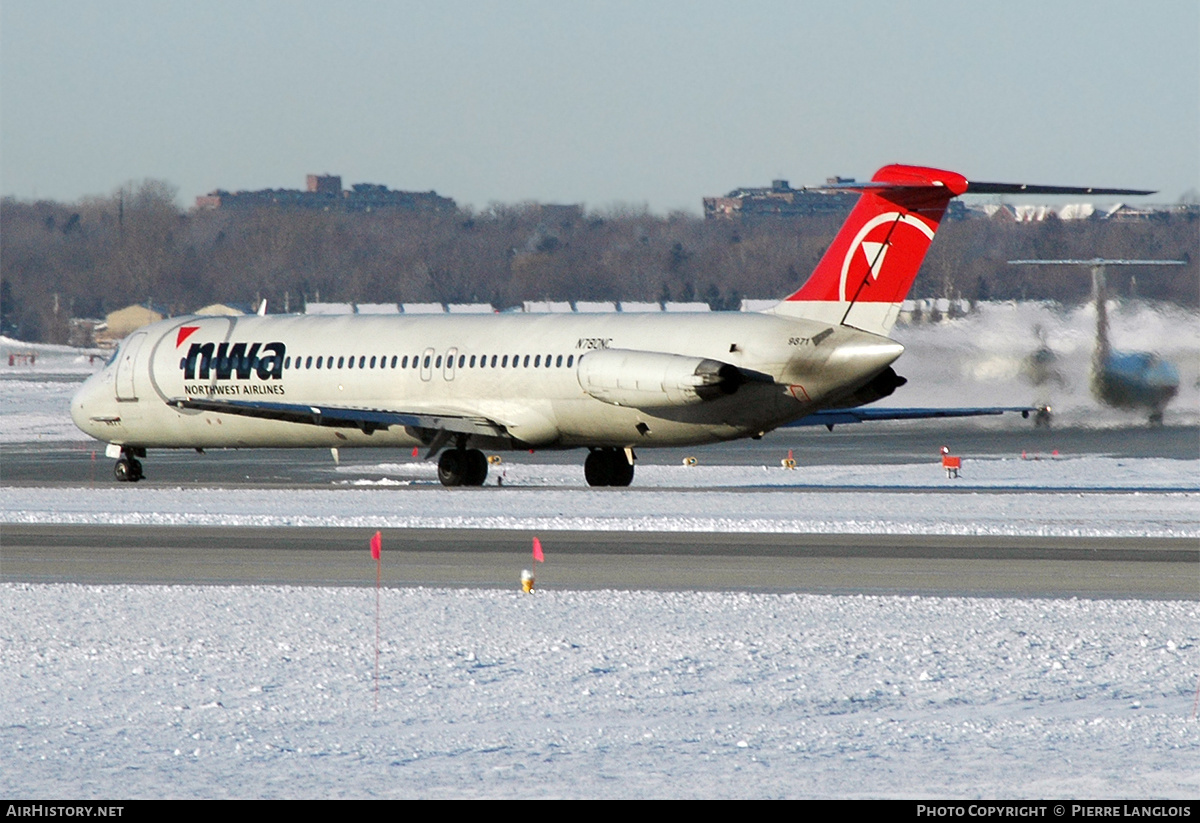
(655, 103)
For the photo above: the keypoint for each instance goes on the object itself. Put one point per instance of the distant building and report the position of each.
(219, 310)
(120, 323)
(82, 331)
(328, 184)
(328, 308)
(780, 200)
(546, 306)
(378, 308)
(1037, 213)
(323, 192)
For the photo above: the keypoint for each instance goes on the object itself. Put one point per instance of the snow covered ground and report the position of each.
(1078, 513)
(189, 691)
(184, 691)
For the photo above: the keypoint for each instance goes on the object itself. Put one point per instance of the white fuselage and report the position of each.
(522, 371)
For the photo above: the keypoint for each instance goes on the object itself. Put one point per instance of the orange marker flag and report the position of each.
(538, 557)
(376, 546)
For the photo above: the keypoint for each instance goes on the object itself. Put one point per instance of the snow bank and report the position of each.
(878, 512)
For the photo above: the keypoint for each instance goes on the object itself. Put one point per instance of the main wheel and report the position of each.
(477, 467)
(622, 469)
(598, 468)
(607, 467)
(452, 467)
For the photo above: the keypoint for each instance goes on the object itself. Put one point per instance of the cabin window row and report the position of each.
(495, 361)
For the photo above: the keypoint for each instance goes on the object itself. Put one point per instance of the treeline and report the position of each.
(63, 260)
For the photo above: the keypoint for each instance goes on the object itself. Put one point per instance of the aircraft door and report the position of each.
(427, 364)
(451, 356)
(126, 361)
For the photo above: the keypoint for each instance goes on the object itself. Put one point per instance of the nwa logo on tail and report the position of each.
(885, 232)
(230, 361)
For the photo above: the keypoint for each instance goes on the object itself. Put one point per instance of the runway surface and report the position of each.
(73, 463)
(829, 564)
(1103, 567)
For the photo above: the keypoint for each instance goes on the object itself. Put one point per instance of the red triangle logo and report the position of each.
(184, 333)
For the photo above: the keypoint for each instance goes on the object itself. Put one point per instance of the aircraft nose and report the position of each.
(1163, 375)
(91, 406)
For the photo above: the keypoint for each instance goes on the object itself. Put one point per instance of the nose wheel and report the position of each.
(128, 469)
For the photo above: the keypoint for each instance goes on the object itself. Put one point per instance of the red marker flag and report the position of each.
(376, 551)
(538, 557)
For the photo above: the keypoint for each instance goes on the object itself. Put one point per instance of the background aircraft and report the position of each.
(1131, 380)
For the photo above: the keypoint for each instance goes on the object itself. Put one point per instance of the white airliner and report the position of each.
(611, 383)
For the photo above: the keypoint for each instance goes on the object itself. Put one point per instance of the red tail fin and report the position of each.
(868, 269)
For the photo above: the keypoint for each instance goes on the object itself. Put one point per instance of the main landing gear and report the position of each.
(128, 468)
(462, 467)
(469, 467)
(608, 467)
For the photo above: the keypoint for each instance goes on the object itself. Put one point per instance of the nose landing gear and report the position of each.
(128, 468)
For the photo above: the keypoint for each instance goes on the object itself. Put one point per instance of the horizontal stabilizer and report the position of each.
(837, 417)
(1025, 188)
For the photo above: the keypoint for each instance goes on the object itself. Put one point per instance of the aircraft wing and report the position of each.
(836, 417)
(344, 417)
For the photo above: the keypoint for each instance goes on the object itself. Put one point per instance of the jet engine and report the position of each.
(648, 380)
(881, 386)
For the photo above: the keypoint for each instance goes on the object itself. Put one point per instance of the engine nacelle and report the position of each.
(881, 386)
(649, 380)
